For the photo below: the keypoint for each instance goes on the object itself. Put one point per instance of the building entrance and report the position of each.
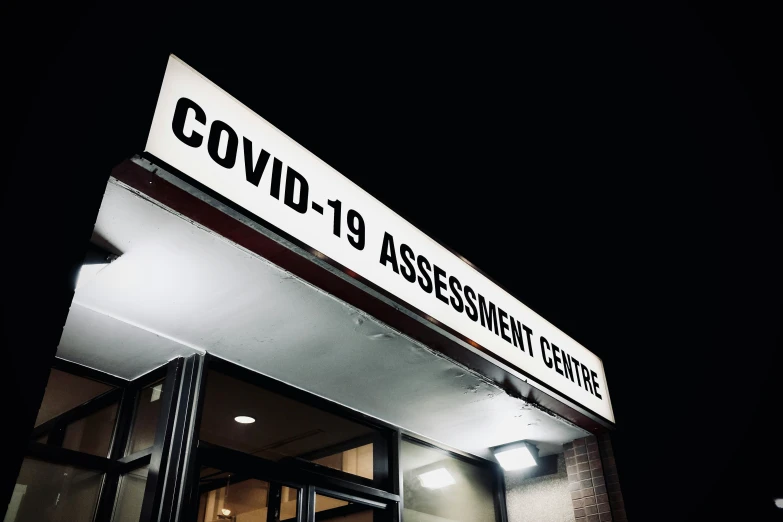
(243, 497)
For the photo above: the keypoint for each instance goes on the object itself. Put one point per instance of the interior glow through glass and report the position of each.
(437, 478)
(517, 458)
(243, 419)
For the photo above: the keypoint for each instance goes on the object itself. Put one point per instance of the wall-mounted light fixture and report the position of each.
(95, 260)
(516, 455)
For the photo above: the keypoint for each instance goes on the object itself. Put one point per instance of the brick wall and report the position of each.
(593, 481)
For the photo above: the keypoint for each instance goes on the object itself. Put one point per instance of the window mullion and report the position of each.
(122, 428)
(172, 462)
(107, 496)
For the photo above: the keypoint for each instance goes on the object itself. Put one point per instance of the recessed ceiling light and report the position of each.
(244, 419)
(517, 458)
(779, 502)
(437, 478)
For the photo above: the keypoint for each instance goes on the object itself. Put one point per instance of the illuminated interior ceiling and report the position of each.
(179, 289)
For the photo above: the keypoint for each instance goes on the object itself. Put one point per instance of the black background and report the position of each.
(613, 167)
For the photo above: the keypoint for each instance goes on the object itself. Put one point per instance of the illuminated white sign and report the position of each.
(211, 137)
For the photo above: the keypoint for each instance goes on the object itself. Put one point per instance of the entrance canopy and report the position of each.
(178, 288)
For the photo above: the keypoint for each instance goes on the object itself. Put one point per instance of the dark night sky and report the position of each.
(612, 167)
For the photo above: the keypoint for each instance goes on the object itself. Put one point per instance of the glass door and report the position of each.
(267, 452)
(334, 507)
(233, 497)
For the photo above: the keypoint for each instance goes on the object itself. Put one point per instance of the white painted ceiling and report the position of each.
(179, 289)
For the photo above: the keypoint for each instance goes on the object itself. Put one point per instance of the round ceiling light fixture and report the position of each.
(244, 419)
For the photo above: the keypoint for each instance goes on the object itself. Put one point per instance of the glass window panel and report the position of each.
(440, 487)
(64, 392)
(356, 461)
(130, 496)
(229, 497)
(47, 492)
(92, 434)
(329, 508)
(145, 421)
(288, 503)
(283, 428)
